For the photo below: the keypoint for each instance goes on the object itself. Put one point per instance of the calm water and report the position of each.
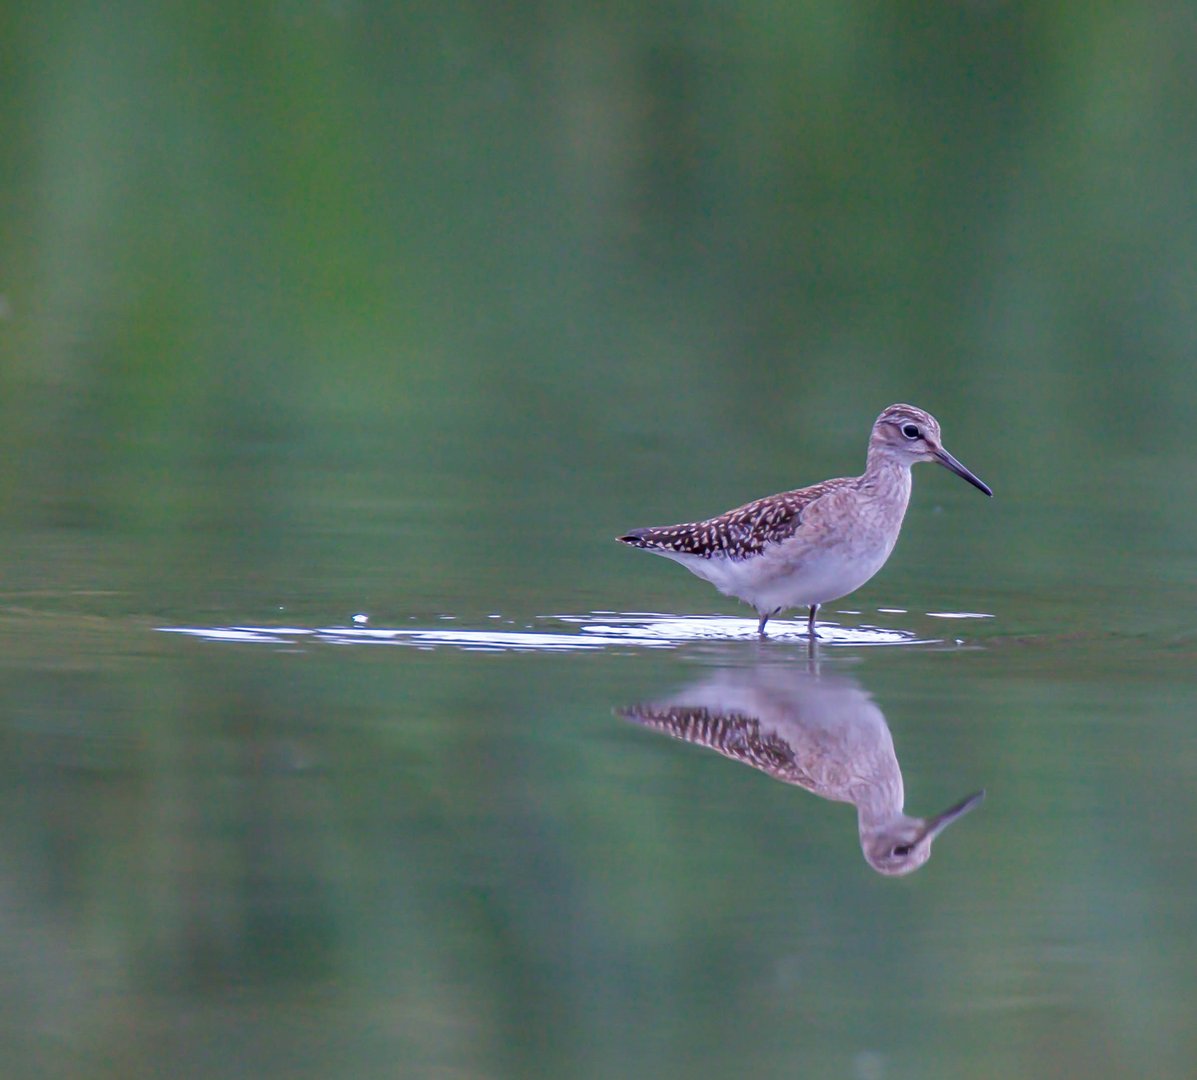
(442, 848)
(341, 739)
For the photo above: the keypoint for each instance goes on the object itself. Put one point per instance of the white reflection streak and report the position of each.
(590, 632)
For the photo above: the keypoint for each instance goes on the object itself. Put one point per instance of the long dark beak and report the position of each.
(949, 462)
(937, 824)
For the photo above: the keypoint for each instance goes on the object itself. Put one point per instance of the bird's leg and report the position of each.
(765, 617)
(811, 632)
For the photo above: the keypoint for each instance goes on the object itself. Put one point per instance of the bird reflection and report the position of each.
(824, 733)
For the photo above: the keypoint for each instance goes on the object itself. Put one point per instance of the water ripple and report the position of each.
(565, 632)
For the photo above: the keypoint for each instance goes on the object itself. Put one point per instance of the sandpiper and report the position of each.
(805, 547)
(825, 734)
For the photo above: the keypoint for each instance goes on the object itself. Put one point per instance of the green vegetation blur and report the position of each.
(310, 309)
(420, 297)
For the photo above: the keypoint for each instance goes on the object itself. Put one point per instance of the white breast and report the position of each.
(804, 570)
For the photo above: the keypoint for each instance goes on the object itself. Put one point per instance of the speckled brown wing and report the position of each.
(734, 735)
(740, 533)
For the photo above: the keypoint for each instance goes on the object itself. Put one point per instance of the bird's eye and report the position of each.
(911, 431)
(901, 850)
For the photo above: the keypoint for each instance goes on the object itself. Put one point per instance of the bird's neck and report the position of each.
(879, 801)
(886, 477)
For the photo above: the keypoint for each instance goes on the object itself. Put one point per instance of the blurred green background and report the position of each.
(315, 309)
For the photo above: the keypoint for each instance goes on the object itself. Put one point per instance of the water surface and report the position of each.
(338, 342)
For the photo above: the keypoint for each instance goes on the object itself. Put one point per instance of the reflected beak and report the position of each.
(949, 462)
(937, 824)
